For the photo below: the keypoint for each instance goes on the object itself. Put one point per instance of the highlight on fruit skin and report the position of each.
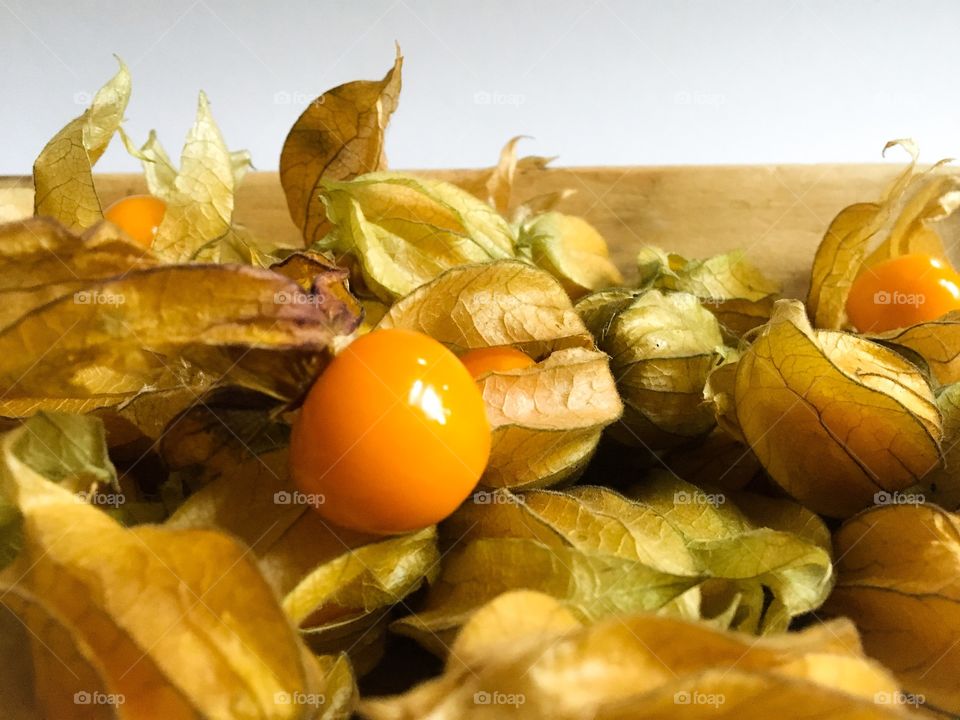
(392, 437)
(482, 361)
(139, 216)
(901, 292)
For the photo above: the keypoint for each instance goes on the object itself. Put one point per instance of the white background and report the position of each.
(594, 81)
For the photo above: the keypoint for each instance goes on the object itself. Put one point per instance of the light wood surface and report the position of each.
(776, 213)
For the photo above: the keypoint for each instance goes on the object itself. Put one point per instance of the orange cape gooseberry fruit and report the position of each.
(393, 435)
(902, 291)
(495, 359)
(138, 216)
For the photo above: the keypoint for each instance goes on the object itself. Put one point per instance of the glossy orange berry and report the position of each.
(902, 291)
(138, 216)
(393, 435)
(495, 359)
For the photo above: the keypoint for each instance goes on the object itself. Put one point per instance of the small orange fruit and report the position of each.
(138, 216)
(495, 359)
(393, 435)
(902, 291)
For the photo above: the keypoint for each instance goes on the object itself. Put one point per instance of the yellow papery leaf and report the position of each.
(642, 665)
(163, 623)
(662, 347)
(869, 413)
(403, 231)
(63, 172)
(864, 234)
(571, 250)
(897, 579)
(666, 547)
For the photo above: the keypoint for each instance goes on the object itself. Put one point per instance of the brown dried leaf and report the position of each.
(339, 136)
(161, 331)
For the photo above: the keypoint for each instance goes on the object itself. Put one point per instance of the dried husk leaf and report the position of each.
(336, 585)
(198, 222)
(546, 419)
(571, 250)
(641, 666)
(169, 333)
(904, 218)
(405, 231)
(173, 623)
(40, 261)
(897, 570)
(727, 285)
(68, 450)
(869, 413)
(499, 185)
(497, 188)
(338, 137)
(718, 461)
(936, 343)
(326, 285)
(352, 591)
(720, 391)
(602, 554)
(490, 305)
(662, 347)
(516, 617)
(942, 486)
(63, 172)
(337, 686)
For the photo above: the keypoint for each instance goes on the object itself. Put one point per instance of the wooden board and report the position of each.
(777, 213)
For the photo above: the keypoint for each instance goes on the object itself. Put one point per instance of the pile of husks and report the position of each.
(767, 524)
